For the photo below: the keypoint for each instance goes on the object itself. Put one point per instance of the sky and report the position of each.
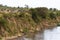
(32, 3)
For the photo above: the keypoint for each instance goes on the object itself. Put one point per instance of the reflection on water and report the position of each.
(38, 36)
(49, 34)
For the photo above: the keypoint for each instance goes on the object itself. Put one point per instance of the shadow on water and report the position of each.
(36, 36)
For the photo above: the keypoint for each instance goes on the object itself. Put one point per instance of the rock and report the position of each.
(38, 29)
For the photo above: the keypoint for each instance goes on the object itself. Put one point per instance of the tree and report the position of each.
(42, 11)
(26, 6)
(52, 15)
(54, 9)
(18, 7)
(34, 14)
(1, 5)
(50, 9)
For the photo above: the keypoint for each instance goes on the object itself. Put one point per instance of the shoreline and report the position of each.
(19, 35)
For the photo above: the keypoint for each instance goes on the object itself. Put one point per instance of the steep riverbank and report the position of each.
(23, 27)
(27, 21)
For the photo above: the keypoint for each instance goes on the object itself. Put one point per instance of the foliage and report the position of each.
(52, 15)
(42, 11)
(2, 21)
(25, 18)
(34, 15)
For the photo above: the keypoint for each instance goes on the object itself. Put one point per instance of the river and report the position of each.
(48, 34)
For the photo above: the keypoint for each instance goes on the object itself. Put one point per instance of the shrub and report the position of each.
(2, 21)
(34, 15)
(42, 11)
(52, 15)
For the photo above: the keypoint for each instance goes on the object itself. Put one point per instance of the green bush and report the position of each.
(4, 24)
(3, 21)
(52, 15)
(34, 14)
(42, 11)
